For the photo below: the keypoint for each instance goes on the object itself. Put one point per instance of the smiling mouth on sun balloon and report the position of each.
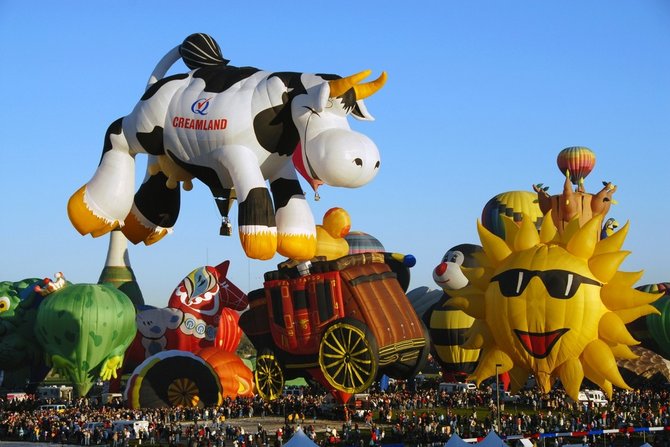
(539, 344)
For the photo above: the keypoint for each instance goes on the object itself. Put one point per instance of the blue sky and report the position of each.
(481, 96)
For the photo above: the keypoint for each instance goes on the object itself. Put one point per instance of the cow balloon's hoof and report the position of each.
(260, 244)
(300, 247)
(84, 220)
(138, 229)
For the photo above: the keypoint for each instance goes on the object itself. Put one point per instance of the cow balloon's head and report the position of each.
(330, 151)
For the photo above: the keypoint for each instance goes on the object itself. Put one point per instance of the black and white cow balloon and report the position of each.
(232, 128)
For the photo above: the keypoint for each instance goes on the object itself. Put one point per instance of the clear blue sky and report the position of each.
(481, 97)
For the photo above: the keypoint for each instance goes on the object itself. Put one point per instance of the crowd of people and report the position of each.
(397, 415)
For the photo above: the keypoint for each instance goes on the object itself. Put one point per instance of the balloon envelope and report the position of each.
(360, 242)
(514, 204)
(173, 378)
(235, 377)
(81, 326)
(578, 160)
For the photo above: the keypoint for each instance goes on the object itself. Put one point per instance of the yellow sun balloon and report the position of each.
(554, 305)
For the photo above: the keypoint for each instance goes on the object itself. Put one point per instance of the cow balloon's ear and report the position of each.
(360, 112)
(321, 98)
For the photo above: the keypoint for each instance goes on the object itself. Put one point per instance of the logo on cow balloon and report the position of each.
(200, 106)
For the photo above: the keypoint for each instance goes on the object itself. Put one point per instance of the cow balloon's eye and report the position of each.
(358, 162)
(377, 165)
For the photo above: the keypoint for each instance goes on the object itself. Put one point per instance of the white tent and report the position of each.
(300, 439)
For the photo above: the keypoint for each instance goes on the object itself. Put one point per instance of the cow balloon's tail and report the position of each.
(197, 50)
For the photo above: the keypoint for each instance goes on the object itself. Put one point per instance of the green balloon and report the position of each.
(659, 325)
(85, 329)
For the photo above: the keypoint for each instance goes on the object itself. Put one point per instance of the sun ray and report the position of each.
(511, 230)
(571, 374)
(600, 359)
(611, 329)
(617, 298)
(496, 249)
(625, 279)
(487, 365)
(598, 379)
(623, 352)
(584, 241)
(527, 236)
(548, 231)
(633, 313)
(612, 243)
(605, 266)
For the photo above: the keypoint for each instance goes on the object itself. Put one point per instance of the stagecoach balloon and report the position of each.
(233, 128)
(85, 330)
(173, 379)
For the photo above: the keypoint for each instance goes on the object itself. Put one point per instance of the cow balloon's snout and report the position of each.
(343, 158)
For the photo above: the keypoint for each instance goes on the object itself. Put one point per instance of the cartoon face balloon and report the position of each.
(552, 305)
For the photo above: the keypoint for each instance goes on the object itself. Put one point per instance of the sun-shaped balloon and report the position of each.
(554, 305)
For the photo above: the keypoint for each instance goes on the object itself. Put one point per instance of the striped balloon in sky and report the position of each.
(579, 160)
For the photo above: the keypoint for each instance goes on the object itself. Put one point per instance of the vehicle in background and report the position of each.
(459, 387)
(596, 397)
(509, 398)
(54, 393)
(59, 408)
(133, 426)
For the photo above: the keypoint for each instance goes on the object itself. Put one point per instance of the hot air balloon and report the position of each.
(330, 236)
(448, 325)
(85, 330)
(553, 307)
(201, 312)
(235, 377)
(513, 204)
(360, 242)
(659, 325)
(21, 356)
(579, 161)
(173, 379)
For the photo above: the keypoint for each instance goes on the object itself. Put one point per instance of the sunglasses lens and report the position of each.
(513, 282)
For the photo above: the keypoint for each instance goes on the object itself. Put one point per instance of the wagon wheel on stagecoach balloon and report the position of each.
(349, 356)
(268, 376)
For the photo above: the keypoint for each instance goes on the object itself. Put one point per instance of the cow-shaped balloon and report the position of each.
(232, 128)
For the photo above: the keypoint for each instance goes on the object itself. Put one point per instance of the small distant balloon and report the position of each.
(579, 160)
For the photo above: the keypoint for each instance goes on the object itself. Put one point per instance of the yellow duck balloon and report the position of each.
(330, 241)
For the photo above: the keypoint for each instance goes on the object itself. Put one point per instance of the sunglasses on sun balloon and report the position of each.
(560, 284)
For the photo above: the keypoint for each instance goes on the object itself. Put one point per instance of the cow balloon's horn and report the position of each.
(369, 88)
(340, 86)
